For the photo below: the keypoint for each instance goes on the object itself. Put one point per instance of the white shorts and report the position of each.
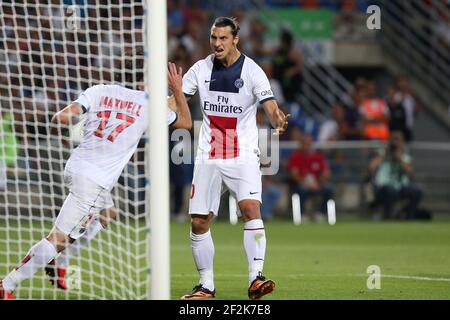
(243, 181)
(83, 204)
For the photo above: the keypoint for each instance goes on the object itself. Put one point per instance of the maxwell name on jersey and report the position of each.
(116, 104)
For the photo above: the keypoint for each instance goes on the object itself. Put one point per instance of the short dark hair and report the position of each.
(222, 22)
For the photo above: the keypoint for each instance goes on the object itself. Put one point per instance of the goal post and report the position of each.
(158, 155)
(50, 52)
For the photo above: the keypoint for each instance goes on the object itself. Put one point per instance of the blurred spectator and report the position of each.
(407, 101)
(306, 123)
(255, 45)
(181, 58)
(288, 67)
(392, 172)
(374, 115)
(245, 20)
(193, 40)
(397, 113)
(309, 173)
(193, 13)
(174, 18)
(331, 129)
(346, 19)
(351, 128)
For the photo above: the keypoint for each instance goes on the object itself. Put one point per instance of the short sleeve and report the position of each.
(190, 80)
(261, 85)
(171, 117)
(87, 98)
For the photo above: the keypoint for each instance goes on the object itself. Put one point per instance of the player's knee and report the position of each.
(59, 239)
(200, 223)
(250, 209)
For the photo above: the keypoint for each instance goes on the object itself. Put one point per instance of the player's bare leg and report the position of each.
(255, 247)
(38, 257)
(203, 253)
(56, 269)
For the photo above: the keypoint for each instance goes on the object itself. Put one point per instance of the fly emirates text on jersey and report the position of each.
(221, 106)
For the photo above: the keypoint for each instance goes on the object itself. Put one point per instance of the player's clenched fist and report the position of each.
(175, 77)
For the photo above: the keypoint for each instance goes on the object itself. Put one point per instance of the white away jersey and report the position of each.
(116, 119)
(229, 98)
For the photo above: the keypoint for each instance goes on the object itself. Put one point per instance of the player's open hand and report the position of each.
(175, 78)
(283, 121)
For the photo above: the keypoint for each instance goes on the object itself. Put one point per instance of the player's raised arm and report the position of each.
(67, 116)
(277, 118)
(184, 120)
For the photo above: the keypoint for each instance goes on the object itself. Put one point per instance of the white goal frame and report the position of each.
(157, 153)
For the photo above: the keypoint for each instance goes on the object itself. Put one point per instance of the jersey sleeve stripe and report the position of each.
(188, 95)
(267, 99)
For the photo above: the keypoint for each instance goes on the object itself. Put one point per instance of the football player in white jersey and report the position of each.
(117, 117)
(231, 86)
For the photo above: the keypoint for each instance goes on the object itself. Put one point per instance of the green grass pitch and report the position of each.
(311, 261)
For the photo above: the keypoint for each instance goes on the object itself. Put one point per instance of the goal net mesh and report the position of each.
(50, 52)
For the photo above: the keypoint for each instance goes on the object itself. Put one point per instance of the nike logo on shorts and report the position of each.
(207, 81)
(256, 259)
(254, 192)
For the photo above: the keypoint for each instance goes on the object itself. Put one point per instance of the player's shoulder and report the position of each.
(249, 61)
(251, 65)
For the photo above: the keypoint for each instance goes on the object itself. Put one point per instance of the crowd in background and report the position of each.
(50, 66)
(368, 112)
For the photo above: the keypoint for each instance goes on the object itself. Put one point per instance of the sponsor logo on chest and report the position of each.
(222, 105)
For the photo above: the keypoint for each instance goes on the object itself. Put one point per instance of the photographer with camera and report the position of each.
(392, 172)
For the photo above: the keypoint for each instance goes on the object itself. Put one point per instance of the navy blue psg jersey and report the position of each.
(229, 99)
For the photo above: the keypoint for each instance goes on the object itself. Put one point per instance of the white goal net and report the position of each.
(50, 51)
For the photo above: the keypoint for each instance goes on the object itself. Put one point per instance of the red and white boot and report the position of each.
(57, 275)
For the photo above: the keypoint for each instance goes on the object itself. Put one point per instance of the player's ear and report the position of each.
(236, 40)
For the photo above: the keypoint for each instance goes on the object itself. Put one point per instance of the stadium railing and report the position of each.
(411, 37)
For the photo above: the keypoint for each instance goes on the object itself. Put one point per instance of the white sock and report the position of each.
(255, 247)
(38, 257)
(203, 252)
(74, 249)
